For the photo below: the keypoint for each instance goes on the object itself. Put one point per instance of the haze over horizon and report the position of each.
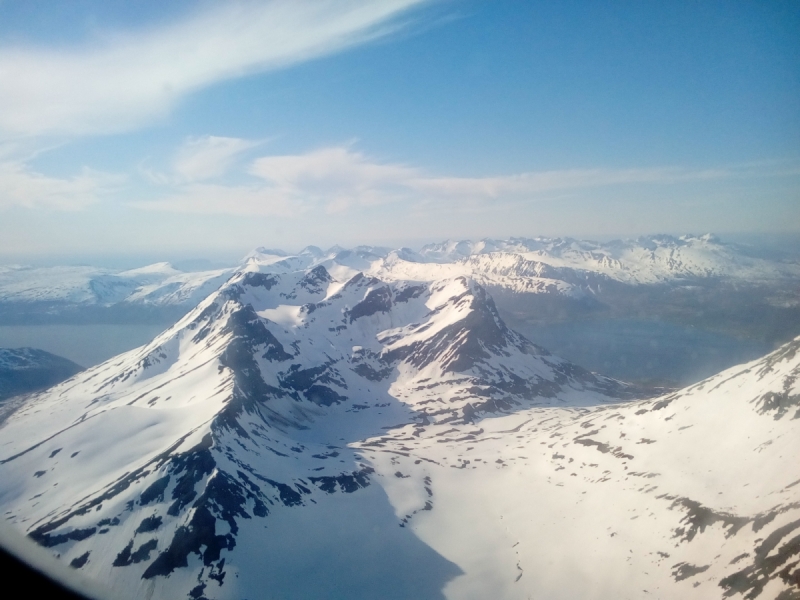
(206, 130)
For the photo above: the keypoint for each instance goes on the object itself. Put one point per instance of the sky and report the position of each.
(204, 129)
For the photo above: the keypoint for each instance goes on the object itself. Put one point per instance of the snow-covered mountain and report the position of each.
(24, 370)
(304, 435)
(157, 284)
(247, 406)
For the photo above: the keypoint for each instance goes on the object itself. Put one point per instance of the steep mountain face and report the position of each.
(24, 370)
(169, 470)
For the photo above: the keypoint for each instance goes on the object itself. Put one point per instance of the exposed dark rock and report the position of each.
(78, 562)
(155, 491)
(224, 498)
(142, 553)
(234, 291)
(261, 280)
(48, 541)
(785, 353)
(377, 300)
(42, 533)
(190, 468)
(372, 374)
(149, 524)
(780, 403)
(313, 282)
(771, 559)
(309, 382)
(288, 495)
(604, 448)
(460, 346)
(250, 332)
(204, 319)
(409, 293)
(698, 517)
(198, 537)
(684, 570)
(346, 483)
(325, 396)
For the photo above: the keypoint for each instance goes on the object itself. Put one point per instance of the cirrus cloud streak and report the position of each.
(125, 80)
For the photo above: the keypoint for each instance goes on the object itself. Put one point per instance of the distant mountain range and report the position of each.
(328, 425)
(540, 265)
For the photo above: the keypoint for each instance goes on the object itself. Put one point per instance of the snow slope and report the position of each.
(692, 495)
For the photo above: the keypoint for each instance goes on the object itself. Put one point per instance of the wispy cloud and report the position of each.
(329, 179)
(336, 178)
(209, 156)
(546, 181)
(339, 178)
(22, 186)
(125, 80)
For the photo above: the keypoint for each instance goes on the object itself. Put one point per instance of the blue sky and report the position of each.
(210, 127)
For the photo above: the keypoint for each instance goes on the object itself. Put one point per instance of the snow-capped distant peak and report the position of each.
(314, 251)
(161, 269)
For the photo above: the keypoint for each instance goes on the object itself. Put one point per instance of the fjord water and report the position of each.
(645, 350)
(659, 352)
(86, 345)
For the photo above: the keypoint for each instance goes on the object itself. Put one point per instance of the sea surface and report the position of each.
(644, 350)
(86, 345)
(632, 350)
